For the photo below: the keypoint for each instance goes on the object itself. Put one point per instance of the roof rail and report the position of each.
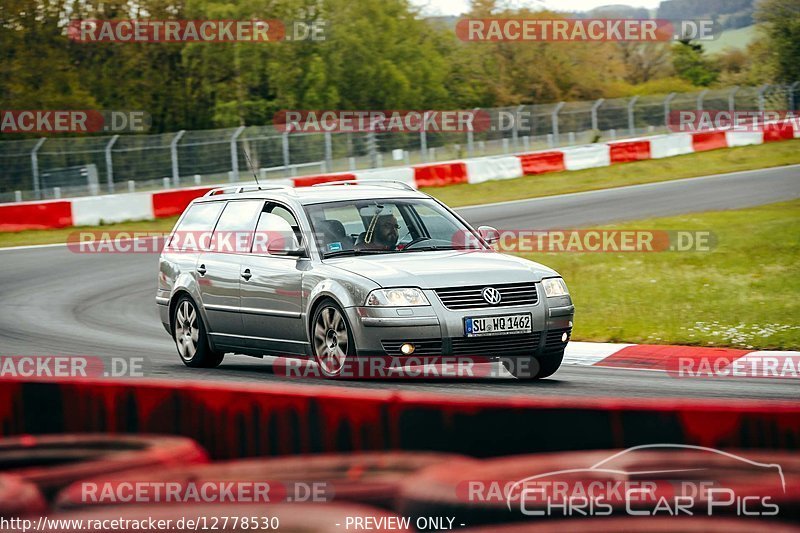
(385, 183)
(237, 189)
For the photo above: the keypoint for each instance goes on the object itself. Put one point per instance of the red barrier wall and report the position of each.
(709, 141)
(242, 420)
(33, 215)
(778, 132)
(440, 174)
(542, 162)
(308, 181)
(625, 152)
(171, 203)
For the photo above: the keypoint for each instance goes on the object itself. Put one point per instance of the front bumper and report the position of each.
(436, 330)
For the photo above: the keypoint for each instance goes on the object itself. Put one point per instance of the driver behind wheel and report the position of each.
(381, 235)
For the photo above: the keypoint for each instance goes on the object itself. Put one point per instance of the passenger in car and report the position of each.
(382, 235)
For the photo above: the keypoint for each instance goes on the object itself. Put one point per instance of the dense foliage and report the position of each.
(378, 54)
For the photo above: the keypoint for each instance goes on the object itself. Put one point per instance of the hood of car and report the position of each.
(436, 269)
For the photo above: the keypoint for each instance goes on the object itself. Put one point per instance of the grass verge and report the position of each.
(745, 293)
(671, 168)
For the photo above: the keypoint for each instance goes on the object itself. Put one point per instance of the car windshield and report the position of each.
(364, 227)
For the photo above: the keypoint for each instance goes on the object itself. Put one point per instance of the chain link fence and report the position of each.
(56, 167)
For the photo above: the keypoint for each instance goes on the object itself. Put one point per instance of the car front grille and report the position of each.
(497, 345)
(456, 298)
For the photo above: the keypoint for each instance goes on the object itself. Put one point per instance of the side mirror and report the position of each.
(285, 247)
(489, 234)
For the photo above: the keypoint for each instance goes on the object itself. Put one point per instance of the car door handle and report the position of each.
(201, 270)
(246, 274)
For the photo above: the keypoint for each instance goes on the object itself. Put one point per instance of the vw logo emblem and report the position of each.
(492, 295)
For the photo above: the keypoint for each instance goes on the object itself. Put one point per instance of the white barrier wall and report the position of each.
(670, 145)
(493, 168)
(94, 210)
(743, 138)
(403, 174)
(592, 156)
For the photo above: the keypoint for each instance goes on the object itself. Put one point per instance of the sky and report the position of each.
(457, 7)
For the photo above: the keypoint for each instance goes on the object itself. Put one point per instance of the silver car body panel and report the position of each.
(270, 312)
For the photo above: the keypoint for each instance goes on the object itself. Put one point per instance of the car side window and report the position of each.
(272, 227)
(194, 231)
(283, 213)
(234, 231)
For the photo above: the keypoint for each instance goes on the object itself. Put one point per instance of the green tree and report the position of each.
(781, 20)
(690, 63)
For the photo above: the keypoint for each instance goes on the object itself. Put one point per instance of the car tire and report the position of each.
(533, 367)
(332, 341)
(191, 339)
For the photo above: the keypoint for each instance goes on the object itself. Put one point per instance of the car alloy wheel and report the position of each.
(187, 330)
(331, 340)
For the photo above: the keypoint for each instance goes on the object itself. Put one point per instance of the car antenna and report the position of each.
(250, 164)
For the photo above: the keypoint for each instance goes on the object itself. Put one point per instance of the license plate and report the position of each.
(497, 325)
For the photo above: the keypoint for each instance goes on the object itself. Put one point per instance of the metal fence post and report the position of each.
(761, 91)
(423, 138)
(37, 191)
(792, 91)
(173, 149)
(595, 107)
(515, 130)
(631, 118)
(110, 164)
(700, 98)
(328, 152)
(235, 155)
(667, 100)
(471, 134)
(732, 99)
(285, 143)
(554, 121)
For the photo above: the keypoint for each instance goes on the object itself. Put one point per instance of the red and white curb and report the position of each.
(685, 361)
(90, 211)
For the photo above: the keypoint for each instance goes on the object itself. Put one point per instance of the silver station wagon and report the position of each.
(350, 271)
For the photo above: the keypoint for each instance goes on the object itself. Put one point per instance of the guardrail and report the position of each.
(191, 158)
(88, 211)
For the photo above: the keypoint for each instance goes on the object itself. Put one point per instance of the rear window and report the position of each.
(199, 219)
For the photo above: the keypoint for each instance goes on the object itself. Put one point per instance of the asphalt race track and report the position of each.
(53, 301)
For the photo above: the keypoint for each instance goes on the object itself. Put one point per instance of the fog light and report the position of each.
(407, 349)
(564, 337)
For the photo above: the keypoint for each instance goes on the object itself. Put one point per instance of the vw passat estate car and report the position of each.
(350, 271)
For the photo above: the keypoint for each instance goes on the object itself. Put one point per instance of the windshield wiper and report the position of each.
(433, 247)
(341, 253)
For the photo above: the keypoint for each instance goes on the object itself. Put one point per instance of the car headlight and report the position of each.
(397, 298)
(554, 287)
